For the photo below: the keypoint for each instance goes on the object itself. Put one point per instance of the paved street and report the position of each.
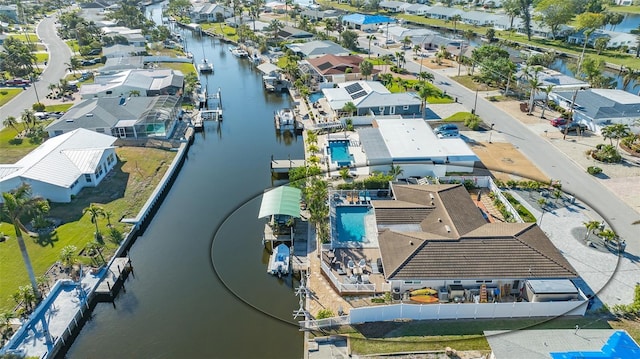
(59, 55)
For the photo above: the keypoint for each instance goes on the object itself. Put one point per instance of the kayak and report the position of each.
(427, 291)
(424, 298)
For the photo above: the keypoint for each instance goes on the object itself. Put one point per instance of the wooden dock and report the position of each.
(283, 166)
(114, 279)
(299, 259)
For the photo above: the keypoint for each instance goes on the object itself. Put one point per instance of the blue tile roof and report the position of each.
(619, 346)
(367, 19)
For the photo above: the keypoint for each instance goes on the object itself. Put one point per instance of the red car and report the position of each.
(558, 121)
(17, 82)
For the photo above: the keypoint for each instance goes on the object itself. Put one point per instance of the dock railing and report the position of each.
(317, 324)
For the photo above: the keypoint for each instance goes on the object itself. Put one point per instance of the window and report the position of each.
(87, 178)
(457, 282)
(100, 130)
(74, 184)
(381, 109)
(405, 107)
(57, 132)
(109, 92)
(110, 158)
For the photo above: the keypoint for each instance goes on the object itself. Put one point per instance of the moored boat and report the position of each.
(240, 53)
(285, 120)
(279, 260)
(205, 66)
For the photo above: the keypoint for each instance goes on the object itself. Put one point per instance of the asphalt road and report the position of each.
(555, 164)
(59, 55)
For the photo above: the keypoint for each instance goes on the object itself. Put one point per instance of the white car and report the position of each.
(41, 115)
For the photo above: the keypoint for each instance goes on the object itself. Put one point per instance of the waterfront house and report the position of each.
(117, 64)
(372, 98)
(478, 18)
(549, 77)
(331, 69)
(615, 39)
(292, 33)
(9, 11)
(366, 22)
(132, 36)
(541, 30)
(398, 33)
(435, 42)
(208, 12)
(597, 108)
(61, 166)
(151, 82)
(435, 236)
(123, 117)
(503, 22)
(562, 344)
(319, 15)
(313, 49)
(394, 6)
(443, 13)
(624, 2)
(123, 51)
(417, 9)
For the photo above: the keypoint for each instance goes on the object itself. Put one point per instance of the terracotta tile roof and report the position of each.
(483, 250)
(332, 64)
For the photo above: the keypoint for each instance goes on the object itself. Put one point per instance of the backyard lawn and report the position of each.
(122, 193)
(11, 150)
(184, 67)
(6, 94)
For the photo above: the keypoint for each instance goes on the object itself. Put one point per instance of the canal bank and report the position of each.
(201, 287)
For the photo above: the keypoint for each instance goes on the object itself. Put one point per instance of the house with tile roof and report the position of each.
(143, 82)
(329, 69)
(60, 167)
(122, 117)
(372, 98)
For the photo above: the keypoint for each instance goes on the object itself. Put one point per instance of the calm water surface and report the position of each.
(201, 287)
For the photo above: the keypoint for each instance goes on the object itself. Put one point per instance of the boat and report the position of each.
(279, 260)
(189, 55)
(205, 66)
(285, 120)
(425, 291)
(424, 298)
(240, 53)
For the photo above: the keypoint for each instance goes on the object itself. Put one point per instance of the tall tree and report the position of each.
(95, 211)
(512, 10)
(587, 22)
(350, 108)
(424, 92)
(366, 68)
(455, 19)
(555, 13)
(547, 90)
(525, 15)
(18, 205)
(629, 76)
(349, 39)
(11, 122)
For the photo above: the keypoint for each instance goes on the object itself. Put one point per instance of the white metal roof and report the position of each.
(62, 159)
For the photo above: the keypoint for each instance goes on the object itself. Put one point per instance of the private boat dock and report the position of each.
(209, 109)
(114, 279)
(283, 166)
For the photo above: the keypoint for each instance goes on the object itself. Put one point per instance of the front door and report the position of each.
(121, 132)
(392, 110)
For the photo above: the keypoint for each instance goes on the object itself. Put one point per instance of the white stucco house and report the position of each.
(62, 166)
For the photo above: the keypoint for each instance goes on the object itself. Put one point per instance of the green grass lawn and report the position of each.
(6, 94)
(441, 98)
(12, 150)
(457, 117)
(393, 337)
(123, 194)
(378, 61)
(224, 30)
(41, 57)
(57, 108)
(467, 81)
(184, 67)
(635, 9)
(22, 37)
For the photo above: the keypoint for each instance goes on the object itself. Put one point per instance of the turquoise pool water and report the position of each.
(314, 97)
(350, 223)
(339, 152)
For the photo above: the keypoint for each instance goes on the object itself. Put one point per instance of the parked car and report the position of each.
(573, 127)
(17, 82)
(558, 121)
(447, 127)
(447, 134)
(41, 115)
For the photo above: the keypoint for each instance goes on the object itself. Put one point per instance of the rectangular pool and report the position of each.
(339, 152)
(349, 223)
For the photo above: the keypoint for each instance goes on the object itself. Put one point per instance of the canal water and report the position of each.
(200, 287)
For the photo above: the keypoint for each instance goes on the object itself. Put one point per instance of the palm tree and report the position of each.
(134, 93)
(95, 211)
(426, 76)
(73, 65)
(386, 79)
(108, 215)
(591, 226)
(349, 108)
(455, 19)
(312, 137)
(97, 248)
(534, 83)
(11, 122)
(395, 171)
(608, 235)
(68, 255)
(275, 26)
(29, 119)
(370, 37)
(547, 90)
(616, 131)
(424, 93)
(19, 204)
(629, 76)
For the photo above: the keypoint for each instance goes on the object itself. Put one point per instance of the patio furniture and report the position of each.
(365, 279)
(362, 263)
(351, 264)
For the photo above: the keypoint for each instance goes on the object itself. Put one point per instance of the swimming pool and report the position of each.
(339, 152)
(349, 223)
(314, 97)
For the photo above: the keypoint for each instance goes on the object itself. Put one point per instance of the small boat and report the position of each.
(240, 53)
(285, 120)
(189, 55)
(424, 298)
(205, 66)
(425, 291)
(279, 260)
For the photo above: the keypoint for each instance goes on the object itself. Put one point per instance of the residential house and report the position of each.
(417, 9)
(319, 15)
(152, 82)
(624, 2)
(597, 108)
(123, 51)
(9, 11)
(123, 117)
(548, 77)
(398, 33)
(394, 6)
(562, 344)
(60, 167)
(504, 22)
(410, 143)
(435, 42)
(292, 33)
(313, 49)
(544, 31)
(372, 98)
(117, 64)
(615, 39)
(443, 13)
(435, 236)
(208, 12)
(366, 22)
(479, 18)
(331, 69)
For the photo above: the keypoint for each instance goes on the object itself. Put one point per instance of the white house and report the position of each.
(399, 33)
(393, 6)
(122, 51)
(615, 38)
(207, 12)
(479, 18)
(417, 9)
(372, 98)
(313, 49)
(62, 166)
(443, 13)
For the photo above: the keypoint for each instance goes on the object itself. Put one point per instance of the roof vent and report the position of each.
(69, 120)
(410, 243)
(431, 196)
(439, 219)
(447, 228)
(89, 115)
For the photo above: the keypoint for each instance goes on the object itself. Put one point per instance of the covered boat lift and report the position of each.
(281, 205)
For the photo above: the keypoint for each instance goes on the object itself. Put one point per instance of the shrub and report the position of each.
(324, 313)
(472, 122)
(607, 154)
(38, 107)
(593, 170)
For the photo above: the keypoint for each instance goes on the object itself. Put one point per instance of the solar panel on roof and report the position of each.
(324, 66)
(359, 94)
(353, 88)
